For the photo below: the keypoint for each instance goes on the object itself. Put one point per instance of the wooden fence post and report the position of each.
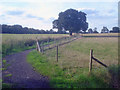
(90, 62)
(57, 53)
(43, 49)
(48, 44)
(54, 41)
(37, 45)
(42, 46)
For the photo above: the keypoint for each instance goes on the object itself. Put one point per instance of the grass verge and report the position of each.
(66, 77)
(16, 49)
(8, 75)
(6, 85)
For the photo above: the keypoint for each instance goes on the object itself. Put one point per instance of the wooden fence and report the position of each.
(38, 46)
(93, 58)
(41, 49)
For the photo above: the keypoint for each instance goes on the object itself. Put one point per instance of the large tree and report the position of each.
(95, 30)
(105, 30)
(115, 30)
(90, 30)
(71, 20)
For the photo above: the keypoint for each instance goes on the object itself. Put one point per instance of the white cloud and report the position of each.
(99, 12)
(59, 0)
(86, 9)
(101, 17)
(42, 15)
(29, 22)
(89, 11)
(46, 10)
(39, 9)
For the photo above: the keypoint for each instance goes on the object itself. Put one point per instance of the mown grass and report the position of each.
(71, 70)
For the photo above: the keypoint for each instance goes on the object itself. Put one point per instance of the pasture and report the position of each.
(72, 68)
(12, 43)
(102, 34)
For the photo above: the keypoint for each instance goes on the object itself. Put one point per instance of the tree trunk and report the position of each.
(84, 32)
(70, 33)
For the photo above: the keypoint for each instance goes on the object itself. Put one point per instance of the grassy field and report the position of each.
(102, 34)
(72, 68)
(12, 43)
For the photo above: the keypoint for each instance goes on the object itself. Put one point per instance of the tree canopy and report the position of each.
(71, 20)
(105, 30)
(90, 30)
(18, 29)
(95, 30)
(115, 30)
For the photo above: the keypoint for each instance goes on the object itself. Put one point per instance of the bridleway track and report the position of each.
(23, 74)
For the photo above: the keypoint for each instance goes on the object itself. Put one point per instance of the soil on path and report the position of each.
(23, 74)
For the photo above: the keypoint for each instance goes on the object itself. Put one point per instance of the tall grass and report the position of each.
(64, 78)
(101, 34)
(105, 49)
(71, 70)
(18, 42)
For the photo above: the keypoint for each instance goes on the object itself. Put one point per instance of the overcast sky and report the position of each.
(39, 14)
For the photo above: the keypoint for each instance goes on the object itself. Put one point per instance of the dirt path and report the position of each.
(22, 72)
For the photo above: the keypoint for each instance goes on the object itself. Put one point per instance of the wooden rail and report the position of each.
(93, 58)
(100, 62)
(60, 44)
(42, 48)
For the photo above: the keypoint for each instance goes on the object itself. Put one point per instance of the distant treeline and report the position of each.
(104, 30)
(18, 29)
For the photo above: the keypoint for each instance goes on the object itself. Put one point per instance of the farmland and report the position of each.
(102, 34)
(65, 44)
(72, 68)
(12, 43)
